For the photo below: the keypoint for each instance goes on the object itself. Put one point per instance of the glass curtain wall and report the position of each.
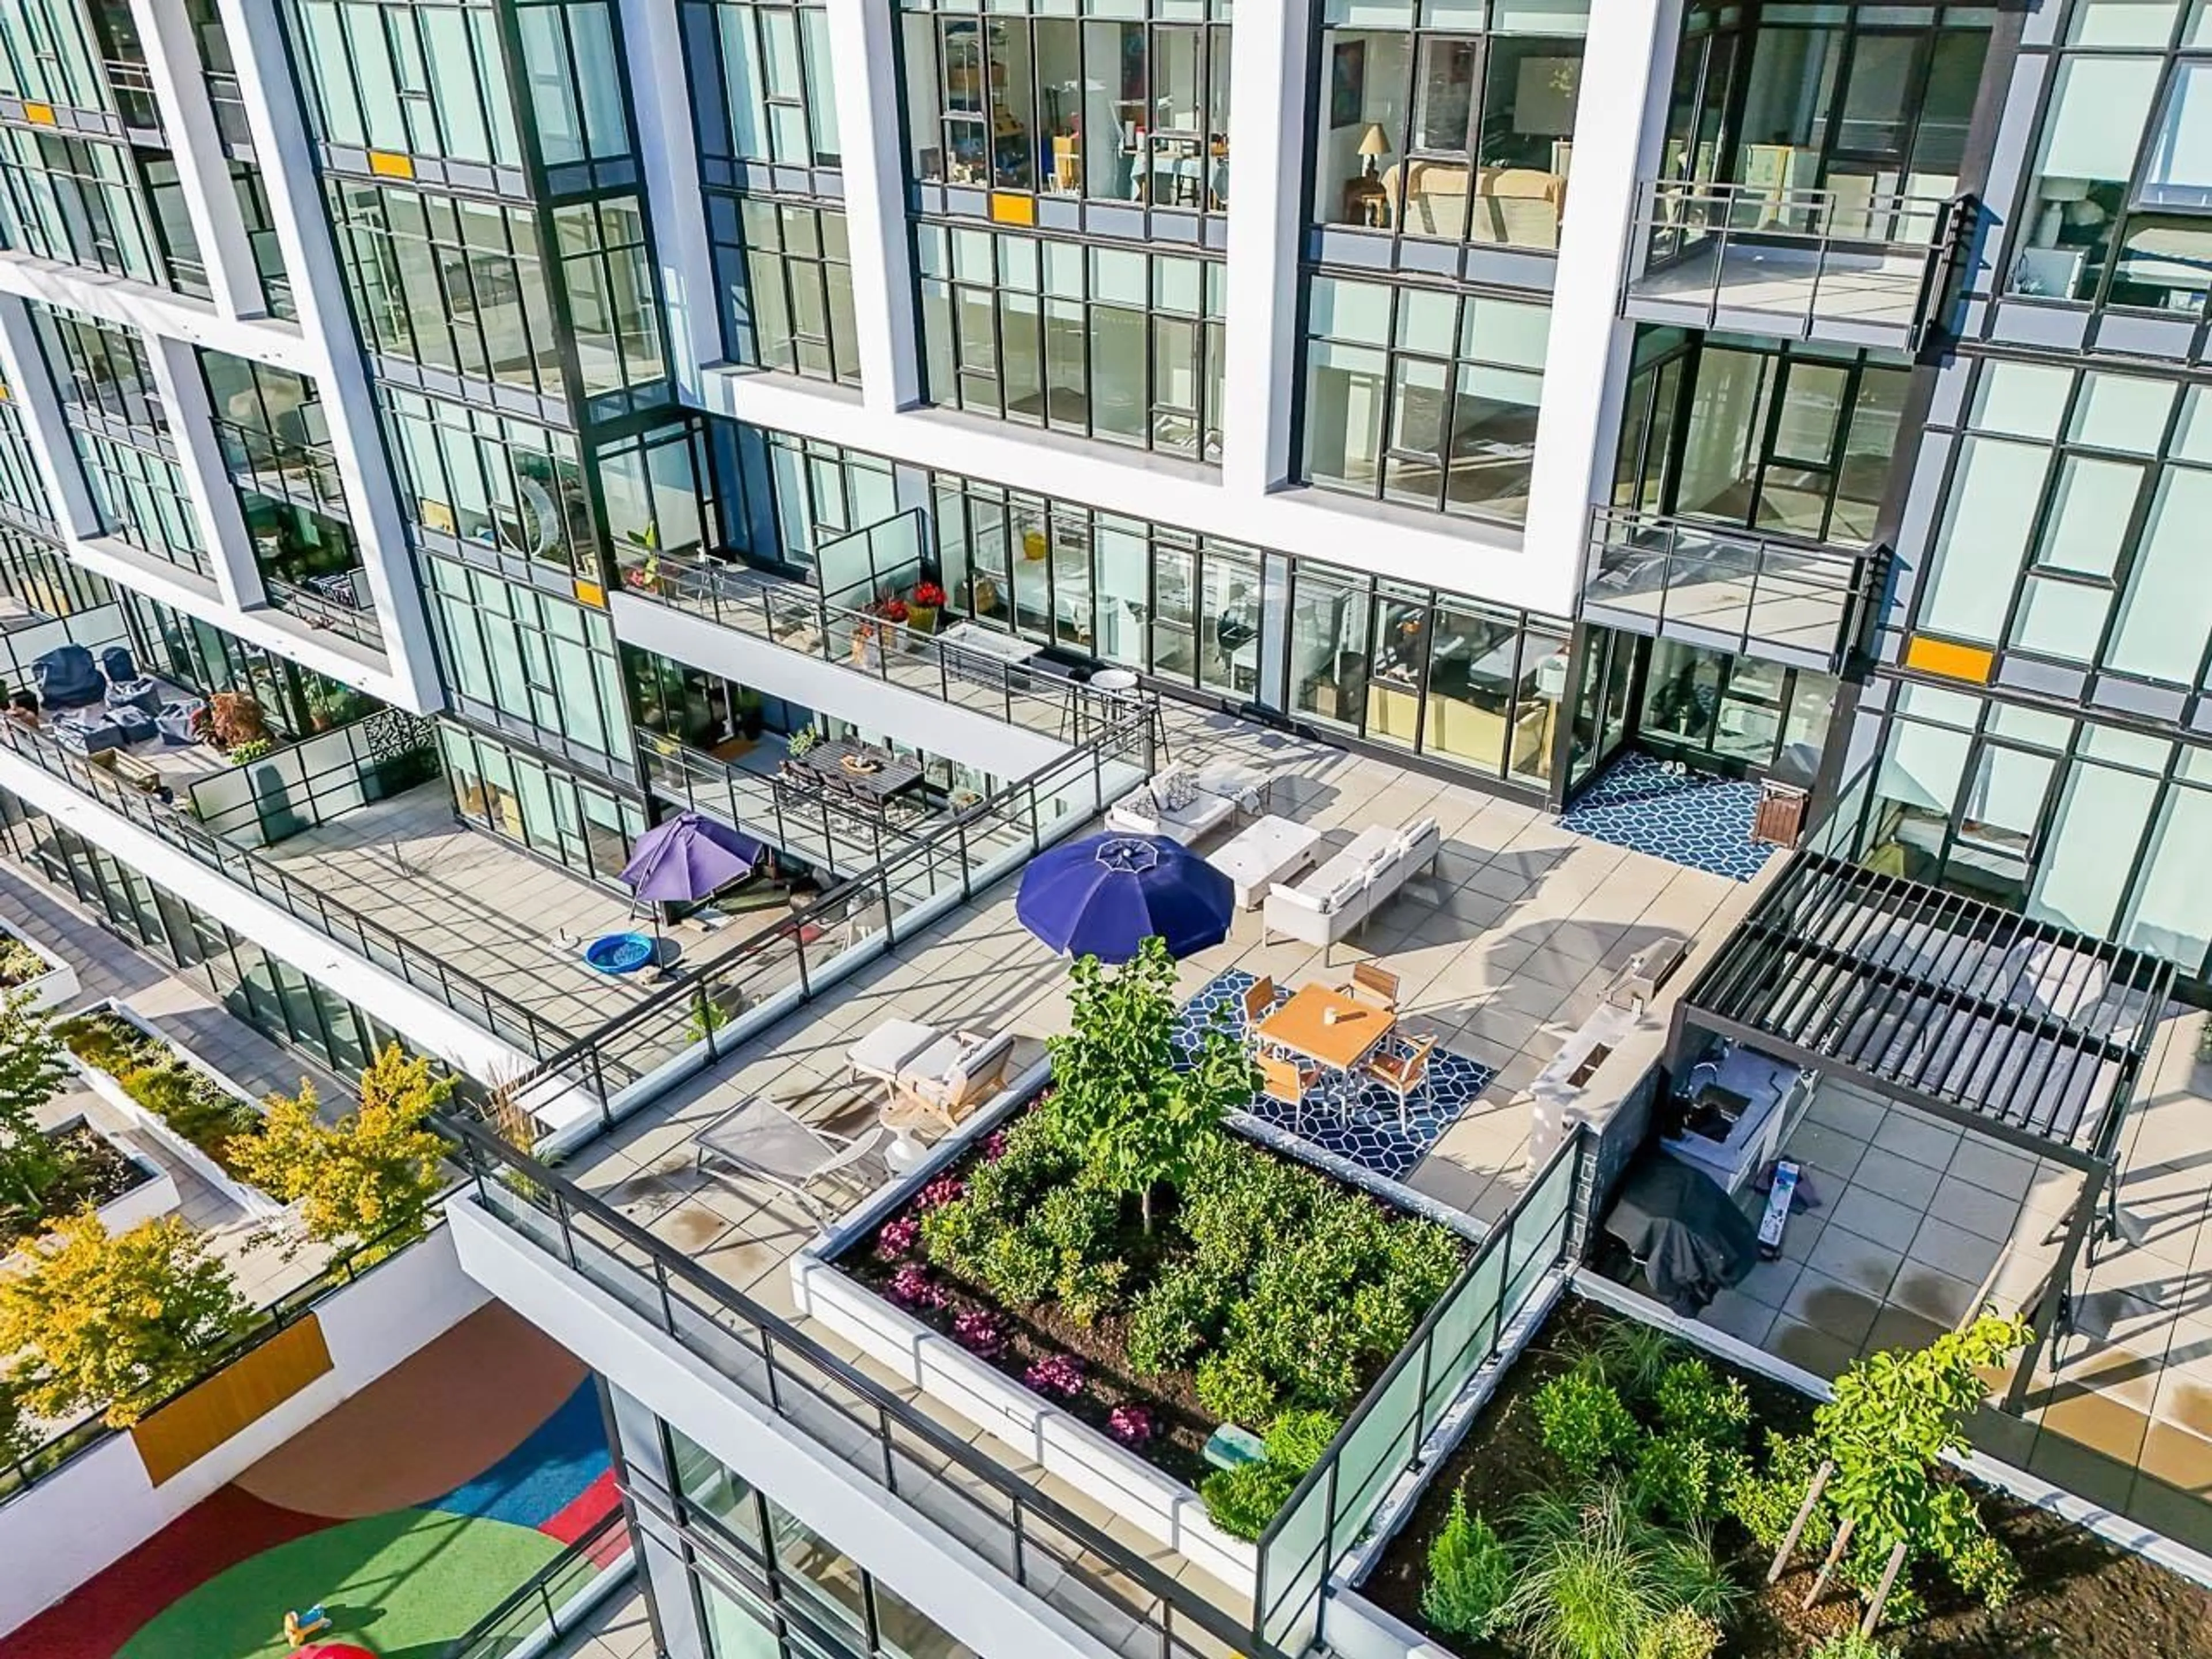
(101, 206)
(1110, 343)
(1730, 713)
(2075, 503)
(39, 576)
(23, 490)
(50, 54)
(784, 276)
(1421, 397)
(2118, 208)
(519, 797)
(485, 481)
(296, 701)
(761, 86)
(1105, 100)
(1454, 124)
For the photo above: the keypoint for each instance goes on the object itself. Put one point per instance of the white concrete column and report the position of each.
(300, 218)
(1628, 67)
(668, 155)
(180, 86)
(864, 70)
(207, 479)
(1267, 60)
(46, 429)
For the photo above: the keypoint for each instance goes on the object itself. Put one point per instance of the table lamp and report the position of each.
(1372, 143)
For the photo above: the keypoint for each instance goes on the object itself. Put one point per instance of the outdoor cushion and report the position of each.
(935, 1063)
(67, 678)
(1297, 898)
(892, 1047)
(1338, 896)
(1413, 836)
(1176, 789)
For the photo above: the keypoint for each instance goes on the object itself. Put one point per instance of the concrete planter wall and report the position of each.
(156, 1195)
(249, 1198)
(55, 989)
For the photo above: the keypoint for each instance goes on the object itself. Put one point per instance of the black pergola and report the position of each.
(2027, 1032)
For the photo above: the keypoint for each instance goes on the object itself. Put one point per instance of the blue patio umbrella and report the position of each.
(1104, 894)
(687, 858)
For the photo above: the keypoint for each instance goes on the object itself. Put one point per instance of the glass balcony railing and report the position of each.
(338, 604)
(463, 992)
(1846, 263)
(1738, 590)
(992, 673)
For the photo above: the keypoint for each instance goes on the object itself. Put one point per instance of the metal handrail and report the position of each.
(755, 803)
(462, 992)
(504, 1176)
(319, 611)
(491, 1629)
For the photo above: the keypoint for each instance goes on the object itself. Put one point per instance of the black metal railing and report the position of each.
(533, 1611)
(1032, 694)
(957, 854)
(290, 469)
(349, 618)
(1085, 1574)
(1741, 590)
(1383, 1438)
(831, 834)
(130, 83)
(1866, 262)
(462, 992)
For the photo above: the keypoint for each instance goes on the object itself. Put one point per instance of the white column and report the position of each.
(667, 152)
(298, 214)
(1267, 59)
(1628, 67)
(864, 68)
(207, 480)
(46, 429)
(172, 61)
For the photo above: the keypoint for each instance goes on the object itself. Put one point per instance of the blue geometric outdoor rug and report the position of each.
(1687, 819)
(1368, 1133)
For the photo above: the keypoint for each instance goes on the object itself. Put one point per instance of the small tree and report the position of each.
(369, 1177)
(1138, 1120)
(115, 1320)
(32, 1072)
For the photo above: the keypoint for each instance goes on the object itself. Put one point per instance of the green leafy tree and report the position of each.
(119, 1320)
(1470, 1574)
(32, 1072)
(1137, 1121)
(1893, 1418)
(370, 1177)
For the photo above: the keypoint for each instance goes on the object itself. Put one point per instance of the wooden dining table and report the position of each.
(1304, 1026)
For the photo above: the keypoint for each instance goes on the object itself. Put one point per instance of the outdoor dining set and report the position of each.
(1322, 1046)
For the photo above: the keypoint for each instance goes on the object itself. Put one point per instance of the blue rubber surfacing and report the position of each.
(538, 1480)
(1687, 819)
(1367, 1133)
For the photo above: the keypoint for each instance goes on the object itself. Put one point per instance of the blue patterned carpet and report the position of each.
(1690, 818)
(1367, 1133)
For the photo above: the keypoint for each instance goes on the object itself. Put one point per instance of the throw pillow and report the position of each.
(1176, 789)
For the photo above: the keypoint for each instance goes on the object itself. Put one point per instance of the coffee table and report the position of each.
(1268, 850)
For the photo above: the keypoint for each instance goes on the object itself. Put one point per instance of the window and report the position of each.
(1422, 398)
(787, 286)
(521, 660)
(762, 90)
(1110, 342)
(489, 480)
(552, 812)
(614, 309)
(272, 428)
(425, 80)
(49, 54)
(652, 486)
(573, 67)
(2074, 503)
(106, 207)
(1109, 102)
(1461, 134)
(2119, 209)
(23, 490)
(261, 235)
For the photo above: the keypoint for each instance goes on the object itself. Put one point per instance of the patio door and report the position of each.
(1605, 702)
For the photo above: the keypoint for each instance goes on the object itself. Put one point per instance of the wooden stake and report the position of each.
(1798, 1526)
(1881, 1591)
(1835, 1554)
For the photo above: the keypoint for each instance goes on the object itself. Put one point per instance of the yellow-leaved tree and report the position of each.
(368, 1178)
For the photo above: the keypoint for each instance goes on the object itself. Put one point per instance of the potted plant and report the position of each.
(800, 741)
(233, 717)
(922, 606)
(878, 623)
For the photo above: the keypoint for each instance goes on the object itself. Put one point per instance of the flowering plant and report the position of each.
(912, 1286)
(994, 1144)
(1060, 1373)
(889, 610)
(897, 1238)
(1130, 1425)
(929, 596)
(977, 1332)
(942, 1191)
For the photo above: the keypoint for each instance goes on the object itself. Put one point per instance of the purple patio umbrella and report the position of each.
(1104, 894)
(687, 858)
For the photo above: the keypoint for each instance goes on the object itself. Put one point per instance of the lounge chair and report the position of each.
(763, 1139)
(891, 1047)
(955, 1074)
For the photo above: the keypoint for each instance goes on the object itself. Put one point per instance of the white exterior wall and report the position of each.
(97, 1508)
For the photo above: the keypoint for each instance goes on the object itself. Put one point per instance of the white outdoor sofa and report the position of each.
(1327, 904)
(1182, 804)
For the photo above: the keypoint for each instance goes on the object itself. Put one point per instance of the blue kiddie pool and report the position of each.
(619, 953)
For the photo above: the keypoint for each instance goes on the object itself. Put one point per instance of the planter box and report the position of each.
(249, 1198)
(156, 1195)
(55, 989)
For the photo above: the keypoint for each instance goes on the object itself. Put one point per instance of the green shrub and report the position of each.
(1764, 1500)
(1632, 1357)
(1470, 1574)
(1680, 1634)
(1296, 1440)
(1693, 1399)
(1682, 1478)
(1853, 1645)
(1235, 1389)
(1088, 1290)
(1241, 1501)
(1172, 1321)
(1597, 1575)
(1583, 1422)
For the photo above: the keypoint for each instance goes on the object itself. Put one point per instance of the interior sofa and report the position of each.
(1334, 900)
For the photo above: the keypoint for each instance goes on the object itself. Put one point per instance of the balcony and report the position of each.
(1768, 597)
(338, 604)
(1849, 266)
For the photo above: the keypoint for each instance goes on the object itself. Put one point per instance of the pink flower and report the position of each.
(897, 1238)
(977, 1332)
(1130, 1425)
(912, 1286)
(942, 1191)
(994, 1145)
(1060, 1373)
